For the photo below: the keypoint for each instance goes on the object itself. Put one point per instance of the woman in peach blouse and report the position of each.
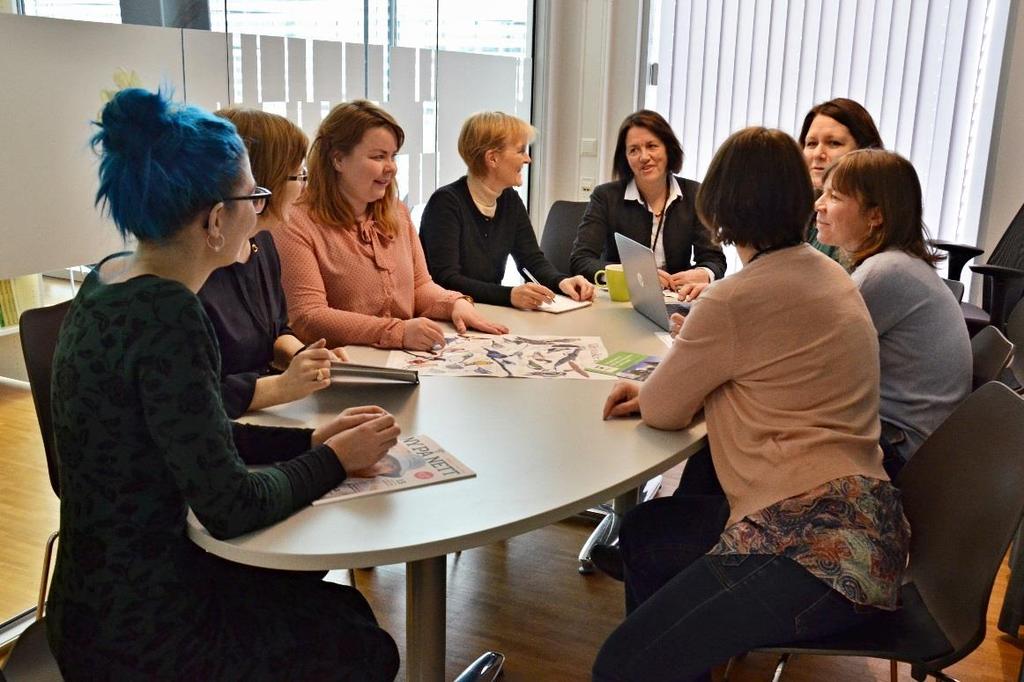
(351, 263)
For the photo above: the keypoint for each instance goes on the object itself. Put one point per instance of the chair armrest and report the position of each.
(998, 272)
(953, 247)
(959, 254)
(1000, 277)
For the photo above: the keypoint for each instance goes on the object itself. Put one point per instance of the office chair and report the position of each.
(560, 231)
(977, 454)
(31, 658)
(991, 352)
(956, 287)
(1004, 275)
(1015, 333)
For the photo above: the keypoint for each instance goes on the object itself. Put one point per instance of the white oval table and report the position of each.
(539, 448)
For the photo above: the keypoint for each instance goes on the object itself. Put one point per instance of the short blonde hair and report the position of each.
(489, 130)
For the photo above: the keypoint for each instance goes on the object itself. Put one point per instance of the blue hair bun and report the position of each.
(132, 119)
(161, 162)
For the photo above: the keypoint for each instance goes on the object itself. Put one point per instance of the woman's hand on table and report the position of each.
(359, 436)
(339, 354)
(530, 296)
(675, 323)
(422, 333)
(466, 316)
(690, 291)
(692, 276)
(309, 371)
(577, 288)
(623, 401)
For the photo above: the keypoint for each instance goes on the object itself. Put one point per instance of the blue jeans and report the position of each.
(688, 611)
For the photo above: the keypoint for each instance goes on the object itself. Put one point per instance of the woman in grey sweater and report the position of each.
(871, 208)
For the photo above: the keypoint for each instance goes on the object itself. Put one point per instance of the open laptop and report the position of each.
(645, 291)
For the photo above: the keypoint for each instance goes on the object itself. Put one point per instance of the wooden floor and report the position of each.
(522, 597)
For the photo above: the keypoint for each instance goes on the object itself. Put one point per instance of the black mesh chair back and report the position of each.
(38, 329)
(560, 232)
(963, 493)
(1015, 333)
(991, 352)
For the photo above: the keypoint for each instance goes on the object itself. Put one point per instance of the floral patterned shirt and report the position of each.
(849, 532)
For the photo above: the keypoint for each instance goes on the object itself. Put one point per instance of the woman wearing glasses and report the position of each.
(649, 204)
(245, 301)
(143, 438)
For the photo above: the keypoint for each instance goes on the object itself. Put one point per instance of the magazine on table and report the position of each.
(635, 366)
(415, 461)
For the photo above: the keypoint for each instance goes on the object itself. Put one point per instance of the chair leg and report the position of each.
(487, 668)
(607, 532)
(783, 660)
(893, 671)
(44, 580)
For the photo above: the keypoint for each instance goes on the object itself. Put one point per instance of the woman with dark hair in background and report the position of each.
(352, 266)
(143, 438)
(871, 209)
(649, 204)
(809, 538)
(830, 130)
(245, 301)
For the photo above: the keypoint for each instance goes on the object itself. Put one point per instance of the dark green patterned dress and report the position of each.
(142, 436)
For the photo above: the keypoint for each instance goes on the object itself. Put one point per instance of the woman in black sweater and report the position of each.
(261, 363)
(470, 227)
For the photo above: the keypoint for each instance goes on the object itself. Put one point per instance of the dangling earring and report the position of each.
(253, 245)
(215, 246)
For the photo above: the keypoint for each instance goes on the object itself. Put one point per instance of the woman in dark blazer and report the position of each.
(649, 204)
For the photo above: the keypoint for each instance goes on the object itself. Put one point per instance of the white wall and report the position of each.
(586, 83)
(1004, 186)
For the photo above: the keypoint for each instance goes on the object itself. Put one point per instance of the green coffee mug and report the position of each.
(614, 281)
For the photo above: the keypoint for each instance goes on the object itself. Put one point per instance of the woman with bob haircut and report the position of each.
(352, 265)
(830, 130)
(871, 209)
(649, 204)
(142, 437)
(471, 227)
(245, 301)
(810, 537)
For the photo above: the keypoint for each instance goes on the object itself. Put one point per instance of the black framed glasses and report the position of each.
(258, 198)
(303, 176)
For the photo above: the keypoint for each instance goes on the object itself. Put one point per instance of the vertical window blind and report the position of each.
(926, 70)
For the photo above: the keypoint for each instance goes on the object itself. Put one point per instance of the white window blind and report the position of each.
(926, 70)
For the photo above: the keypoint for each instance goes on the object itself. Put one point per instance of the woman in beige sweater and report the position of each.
(814, 538)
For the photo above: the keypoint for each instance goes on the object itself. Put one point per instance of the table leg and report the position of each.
(425, 594)
(624, 502)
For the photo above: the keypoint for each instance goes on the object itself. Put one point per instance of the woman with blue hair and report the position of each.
(142, 434)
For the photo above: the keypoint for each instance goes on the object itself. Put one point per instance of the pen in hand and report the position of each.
(529, 276)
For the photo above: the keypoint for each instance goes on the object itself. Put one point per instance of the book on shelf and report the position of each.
(635, 366)
(8, 306)
(18, 295)
(415, 461)
(352, 369)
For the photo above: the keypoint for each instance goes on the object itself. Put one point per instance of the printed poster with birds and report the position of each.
(511, 355)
